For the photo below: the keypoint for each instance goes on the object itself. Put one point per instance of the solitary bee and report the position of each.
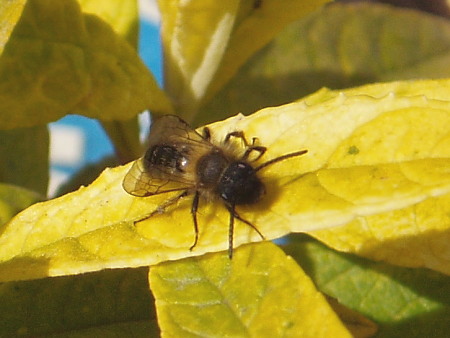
(180, 159)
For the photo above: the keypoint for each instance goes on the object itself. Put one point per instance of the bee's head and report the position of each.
(239, 184)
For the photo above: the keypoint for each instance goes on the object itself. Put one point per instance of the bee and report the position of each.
(180, 159)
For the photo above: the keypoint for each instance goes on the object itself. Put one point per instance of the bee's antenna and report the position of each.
(280, 158)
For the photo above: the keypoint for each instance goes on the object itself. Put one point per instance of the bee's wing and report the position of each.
(172, 129)
(143, 182)
(146, 180)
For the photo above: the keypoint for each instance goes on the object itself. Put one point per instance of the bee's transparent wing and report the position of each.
(146, 179)
(173, 130)
(141, 182)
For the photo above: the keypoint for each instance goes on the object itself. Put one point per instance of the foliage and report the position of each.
(374, 184)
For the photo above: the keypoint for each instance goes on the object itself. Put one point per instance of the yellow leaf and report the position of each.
(10, 12)
(204, 297)
(194, 36)
(415, 236)
(371, 151)
(123, 16)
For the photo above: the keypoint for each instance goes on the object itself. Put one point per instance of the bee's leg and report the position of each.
(233, 215)
(194, 218)
(161, 208)
(206, 134)
(261, 150)
(237, 134)
(250, 148)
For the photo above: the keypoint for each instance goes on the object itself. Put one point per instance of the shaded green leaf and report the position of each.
(14, 199)
(86, 175)
(24, 158)
(59, 61)
(405, 302)
(342, 45)
(124, 135)
(258, 22)
(123, 16)
(208, 41)
(108, 303)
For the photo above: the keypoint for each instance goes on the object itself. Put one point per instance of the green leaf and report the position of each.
(261, 292)
(86, 175)
(342, 45)
(13, 200)
(123, 16)
(110, 303)
(125, 137)
(405, 302)
(24, 154)
(208, 41)
(258, 22)
(59, 61)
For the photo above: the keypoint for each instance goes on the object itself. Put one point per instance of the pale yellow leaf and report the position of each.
(415, 236)
(194, 36)
(123, 16)
(371, 151)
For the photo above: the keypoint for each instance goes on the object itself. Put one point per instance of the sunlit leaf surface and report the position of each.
(372, 151)
(205, 297)
(9, 14)
(123, 16)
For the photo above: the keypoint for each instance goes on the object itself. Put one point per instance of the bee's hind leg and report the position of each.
(162, 208)
(234, 215)
(194, 208)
